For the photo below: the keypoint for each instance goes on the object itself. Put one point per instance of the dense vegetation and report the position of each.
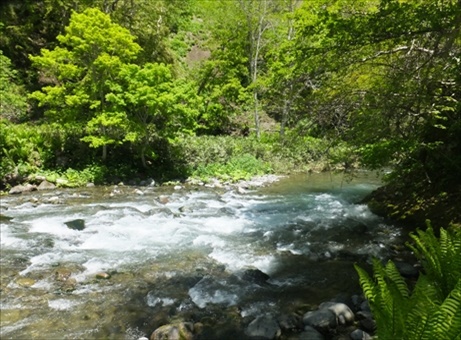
(109, 89)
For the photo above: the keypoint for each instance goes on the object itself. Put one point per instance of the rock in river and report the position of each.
(77, 224)
(179, 331)
(263, 327)
(45, 185)
(19, 189)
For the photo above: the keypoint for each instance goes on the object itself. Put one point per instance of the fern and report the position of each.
(433, 309)
(441, 258)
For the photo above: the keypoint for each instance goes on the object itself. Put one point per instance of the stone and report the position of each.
(189, 208)
(19, 189)
(407, 270)
(77, 224)
(62, 274)
(179, 331)
(368, 325)
(364, 306)
(53, 200)
(138, 192)
(103, 276)
(25, 282)
(90, 185)
(344, 314)
(69, 285)
(4, 218)
(241, 190)
(310, 333)
(177, 187)
(163, 199)
(322, 320)
(255, 276)
(263, 327)
(358, 334)
(289, 323)
(356, 301)
(45, 185)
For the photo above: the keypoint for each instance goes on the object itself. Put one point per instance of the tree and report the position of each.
(387, 77)
(157, 105)
(82, 73)
(13, 104)
(283, 86)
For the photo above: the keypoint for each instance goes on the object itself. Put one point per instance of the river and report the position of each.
(199, 254)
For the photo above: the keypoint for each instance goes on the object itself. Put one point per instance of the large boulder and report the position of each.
(45, 185)
(263, 327)
(322, 320)
(19, 189)
(177, 331)
(344, 314)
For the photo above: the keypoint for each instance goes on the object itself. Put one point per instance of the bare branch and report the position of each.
(399, 49)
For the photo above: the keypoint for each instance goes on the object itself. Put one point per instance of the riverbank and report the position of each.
(413, 207)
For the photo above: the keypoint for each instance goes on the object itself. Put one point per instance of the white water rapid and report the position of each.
(191, 252)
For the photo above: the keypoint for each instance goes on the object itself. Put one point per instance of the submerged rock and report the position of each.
(4, 218)
(25, 282)
(62, 274)
(255, 276)
(77, 224)
(103, 276)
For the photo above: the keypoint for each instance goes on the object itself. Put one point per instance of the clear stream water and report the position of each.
(185, 258)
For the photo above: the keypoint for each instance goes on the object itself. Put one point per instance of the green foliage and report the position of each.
(386, 78)
(432, 309)
(76, 178)
(13, 104)
(84, 71)
(236, 168)
(23, 149)
(441, 257)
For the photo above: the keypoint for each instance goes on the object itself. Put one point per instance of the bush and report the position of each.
(237, 168)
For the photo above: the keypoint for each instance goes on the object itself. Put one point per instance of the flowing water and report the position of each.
(195, 254)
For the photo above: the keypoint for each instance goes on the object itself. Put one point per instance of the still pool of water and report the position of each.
(194, 254)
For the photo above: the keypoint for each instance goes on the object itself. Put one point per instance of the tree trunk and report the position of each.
(104, 152)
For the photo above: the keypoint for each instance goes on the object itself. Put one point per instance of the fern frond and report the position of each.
(445, 323)
(394, 275)
(366, 283)
(422, 303)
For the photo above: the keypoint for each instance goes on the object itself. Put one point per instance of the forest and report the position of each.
(101, 91)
